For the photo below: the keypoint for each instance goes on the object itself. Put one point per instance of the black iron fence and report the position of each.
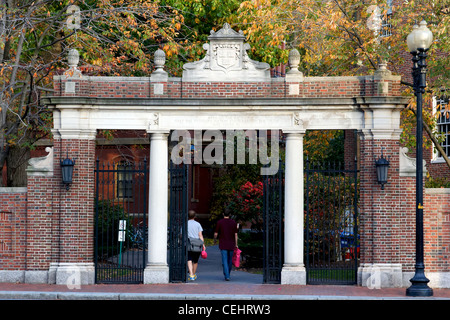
(120, 222)
(273, 193)
(177, 237)
(331, 223)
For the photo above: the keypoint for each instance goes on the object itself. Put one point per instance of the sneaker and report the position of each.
(192, 278)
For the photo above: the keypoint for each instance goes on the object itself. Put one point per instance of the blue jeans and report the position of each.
(227, 256)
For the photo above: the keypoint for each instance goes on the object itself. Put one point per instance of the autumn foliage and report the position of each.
(247, 204)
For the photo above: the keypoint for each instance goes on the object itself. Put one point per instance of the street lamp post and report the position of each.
(419, 41)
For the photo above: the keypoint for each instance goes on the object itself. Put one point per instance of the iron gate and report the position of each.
(331, 235)
(120, 222)
(273, 226)
(178, 199)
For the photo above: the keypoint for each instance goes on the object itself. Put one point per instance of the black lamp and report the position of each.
(419, 42)
(67, 171)
(382, 166)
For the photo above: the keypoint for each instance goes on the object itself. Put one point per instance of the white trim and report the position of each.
(435, 158)
(80, 121)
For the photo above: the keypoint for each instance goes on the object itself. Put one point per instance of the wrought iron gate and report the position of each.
(331, 222)
(273, 226)
(178, 199)
(120, 222)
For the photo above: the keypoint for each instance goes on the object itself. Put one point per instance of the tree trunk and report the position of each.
(16, 164)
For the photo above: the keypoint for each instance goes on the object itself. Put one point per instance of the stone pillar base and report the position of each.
(380, 275)
(293, 274)
(154, 274)
(73, 275)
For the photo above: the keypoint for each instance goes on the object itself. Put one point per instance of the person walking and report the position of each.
(195, 231)
(226, 230)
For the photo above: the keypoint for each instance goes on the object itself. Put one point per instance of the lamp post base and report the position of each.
(419, 286)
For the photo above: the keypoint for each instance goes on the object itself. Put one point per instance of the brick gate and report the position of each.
(48, 234)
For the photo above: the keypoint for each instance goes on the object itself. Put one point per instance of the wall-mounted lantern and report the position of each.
(382, 165)
(67, 171)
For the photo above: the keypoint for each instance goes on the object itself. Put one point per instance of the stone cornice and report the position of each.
(90, 102)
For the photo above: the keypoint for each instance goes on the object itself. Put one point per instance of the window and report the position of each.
(443, 123)
(124, 180)
(386, 27)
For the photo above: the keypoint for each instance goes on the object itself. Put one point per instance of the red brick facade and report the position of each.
(384, 238)
(339, 87)
(76, 205)
(437, 229)
(46, 223)
(13, 215)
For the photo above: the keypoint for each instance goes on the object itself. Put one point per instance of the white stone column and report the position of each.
(293, 271)
(157, 269)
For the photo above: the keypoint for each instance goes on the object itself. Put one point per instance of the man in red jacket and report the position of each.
(226, 230)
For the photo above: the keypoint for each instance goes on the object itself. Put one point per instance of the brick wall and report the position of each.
(13, 215)
(350, 147)
(47, 223)
(75, 206)
(437, 229)
(143, 87)
(387, 217)
(384, 224)
(40, 223)
(439, 170)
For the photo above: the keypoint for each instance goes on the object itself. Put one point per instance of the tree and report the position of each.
(200, 17)
(227, 179)
(350, 37)
(324, 146)
(115, 37)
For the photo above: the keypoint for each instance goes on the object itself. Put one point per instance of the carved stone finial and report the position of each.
(294, 75)
(73, 58)
(382, 70)
(160, 60)
(159, 74)
(381, 75)
(294, 61)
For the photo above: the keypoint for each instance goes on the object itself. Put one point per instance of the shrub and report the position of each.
(246, 204)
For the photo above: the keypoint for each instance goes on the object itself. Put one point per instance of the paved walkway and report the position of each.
(203, 291)
(210, 285)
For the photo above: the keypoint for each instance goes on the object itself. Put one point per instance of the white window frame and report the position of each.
(436, 158)
(124, 180)
(386, 26)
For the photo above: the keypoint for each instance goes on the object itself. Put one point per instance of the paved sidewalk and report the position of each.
(223, 291)
(210, 285)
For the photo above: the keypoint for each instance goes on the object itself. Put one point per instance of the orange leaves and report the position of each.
(334, 34)
(170, 49)
(121, 36)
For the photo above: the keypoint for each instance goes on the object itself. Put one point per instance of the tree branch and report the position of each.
(433, 138)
